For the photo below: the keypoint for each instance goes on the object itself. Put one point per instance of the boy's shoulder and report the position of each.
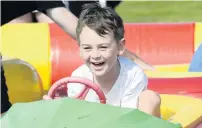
(131, 69)
(129, 65)
(132, 72)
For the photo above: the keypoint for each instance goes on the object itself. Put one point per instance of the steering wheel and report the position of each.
(62, 84)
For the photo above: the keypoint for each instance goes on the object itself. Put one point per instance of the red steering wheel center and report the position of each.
(88, 85)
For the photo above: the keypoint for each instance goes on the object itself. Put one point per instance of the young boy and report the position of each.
(100, 35)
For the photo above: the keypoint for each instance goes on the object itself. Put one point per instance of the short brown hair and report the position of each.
(101, 19)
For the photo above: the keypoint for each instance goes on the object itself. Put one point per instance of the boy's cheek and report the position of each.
(84, 56)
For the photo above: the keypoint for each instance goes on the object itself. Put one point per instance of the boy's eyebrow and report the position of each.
(109, 43)
(85, 44)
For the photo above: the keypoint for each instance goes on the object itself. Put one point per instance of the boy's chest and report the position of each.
(113, 97)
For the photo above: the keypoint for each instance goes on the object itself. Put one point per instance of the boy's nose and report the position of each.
(95, 54)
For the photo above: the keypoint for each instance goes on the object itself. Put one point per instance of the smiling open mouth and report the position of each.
(98, 63)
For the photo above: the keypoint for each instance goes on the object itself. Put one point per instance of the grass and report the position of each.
(160, 11)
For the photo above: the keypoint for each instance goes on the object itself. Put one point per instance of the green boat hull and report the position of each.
(73, 113)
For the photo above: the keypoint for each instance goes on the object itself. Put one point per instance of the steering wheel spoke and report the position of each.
(60, 88)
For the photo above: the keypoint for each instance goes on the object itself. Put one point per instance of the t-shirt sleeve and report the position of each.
(14, 9)
(137, 84)
(42, 6)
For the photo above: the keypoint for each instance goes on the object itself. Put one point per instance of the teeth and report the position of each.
(98, 63)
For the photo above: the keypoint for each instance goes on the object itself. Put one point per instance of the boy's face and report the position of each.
(99, 53)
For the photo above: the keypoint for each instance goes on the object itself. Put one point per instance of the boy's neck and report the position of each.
(107, 81)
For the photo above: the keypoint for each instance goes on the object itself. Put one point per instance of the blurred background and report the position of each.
(160, 11)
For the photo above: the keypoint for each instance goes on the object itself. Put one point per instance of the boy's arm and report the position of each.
(137, 59)
(132, 91)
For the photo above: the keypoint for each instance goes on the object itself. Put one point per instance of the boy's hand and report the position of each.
(46, 97)
(60, 92)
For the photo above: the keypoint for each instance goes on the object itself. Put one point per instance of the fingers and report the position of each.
(60, 92)
(45, 97)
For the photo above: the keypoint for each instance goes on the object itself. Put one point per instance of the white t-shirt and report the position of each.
(126, 90)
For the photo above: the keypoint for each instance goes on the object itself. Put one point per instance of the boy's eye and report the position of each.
(103, 47)
(87, 48)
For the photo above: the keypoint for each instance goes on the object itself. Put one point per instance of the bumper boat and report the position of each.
(43, 54)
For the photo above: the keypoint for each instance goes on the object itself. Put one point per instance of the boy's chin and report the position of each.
(98, 73)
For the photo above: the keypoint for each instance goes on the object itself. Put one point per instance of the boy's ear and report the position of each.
(121, 47)
(80, 53)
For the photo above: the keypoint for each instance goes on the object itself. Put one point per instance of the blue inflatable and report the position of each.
(196, 63)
